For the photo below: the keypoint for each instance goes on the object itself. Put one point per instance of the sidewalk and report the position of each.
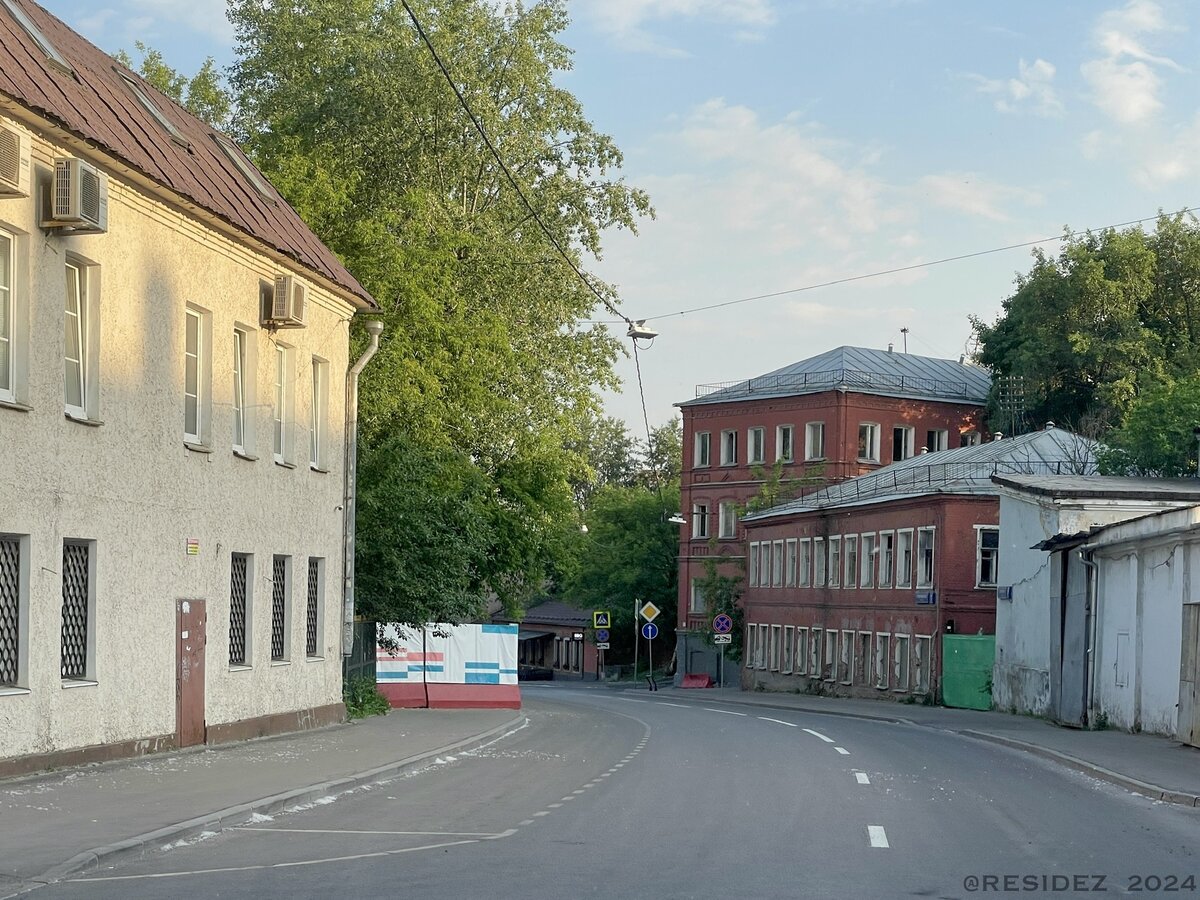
(1151, 765)
(52, 825)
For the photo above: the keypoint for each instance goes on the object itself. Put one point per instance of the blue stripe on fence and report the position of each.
(483, 665)
(500, 629)
(483, 678)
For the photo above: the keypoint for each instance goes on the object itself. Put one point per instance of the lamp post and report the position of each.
(1196, 435)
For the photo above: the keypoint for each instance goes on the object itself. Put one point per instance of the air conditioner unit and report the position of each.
(79, 198)
(289, 304)
(14, 162)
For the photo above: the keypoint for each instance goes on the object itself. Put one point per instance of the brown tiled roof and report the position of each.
(97, 105)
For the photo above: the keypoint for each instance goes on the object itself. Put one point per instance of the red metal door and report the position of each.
(189, 681)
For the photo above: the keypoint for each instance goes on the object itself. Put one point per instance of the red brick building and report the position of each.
(844, 413)
(850, 586)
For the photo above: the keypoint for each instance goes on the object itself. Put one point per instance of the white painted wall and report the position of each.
(132, 486)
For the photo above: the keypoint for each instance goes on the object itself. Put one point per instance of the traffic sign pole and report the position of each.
(636, 640)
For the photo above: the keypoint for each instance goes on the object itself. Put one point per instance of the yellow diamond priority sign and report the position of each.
(649, 612)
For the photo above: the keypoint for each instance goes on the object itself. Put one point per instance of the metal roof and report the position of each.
(863, 370)
(94, 102)
(1103, 487)
(965, 470)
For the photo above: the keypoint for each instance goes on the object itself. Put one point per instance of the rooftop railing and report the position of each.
(851, 378)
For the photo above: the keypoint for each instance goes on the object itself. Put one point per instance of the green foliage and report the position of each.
(1156, 438)
(362, 698)
(203, 95)
(629, 553)
(483, 366)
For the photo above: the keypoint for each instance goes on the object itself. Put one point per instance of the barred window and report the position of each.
(313, 618)
(76, 596)
(238, 608)
(10, 611)
(279, 608)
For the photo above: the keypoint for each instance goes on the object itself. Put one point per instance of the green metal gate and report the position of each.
(967, 661)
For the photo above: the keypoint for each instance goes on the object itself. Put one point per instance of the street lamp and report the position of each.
(1196, 435)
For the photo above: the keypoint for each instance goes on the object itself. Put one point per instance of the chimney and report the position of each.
(1050, 426)
(998, 436)
(890, 346)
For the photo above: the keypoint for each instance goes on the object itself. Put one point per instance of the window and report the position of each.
(921, 650)
(925, 557)
(763, 637)
(281, 612)
(43, 43)
(887, 557)
(751, 639)
(241, 579)
(904, 548)
(862, 659)
(814, 440)
(789, 575)
(866, 570)
(197, 376)
(764, 564)
(318, 428)
(149, 105)
(819, 562)
(900, 664)
(728, 448)
(829, 668)
(753, 564)
(284, 402)
(846, 660)
(783, 444)
(243, 165)
(805, 573)
(814, 652)
(851, 579)
(775, 648)
(987, 555)
(14, 610)
(756, 445)
(902, 443)
(835, 561)
(968, 439)
(78, 610)
(80, 342)
(8, 266)
(696, 602)
(314, 617)
(245, 390)
(777, 564)
(789, 640)
(699, 520)
(727, 519)
(868, 442)
(881, 659)
(701, 457)
(801, 651)
(936, 439)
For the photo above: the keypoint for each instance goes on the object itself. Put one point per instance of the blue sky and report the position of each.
(785, 143)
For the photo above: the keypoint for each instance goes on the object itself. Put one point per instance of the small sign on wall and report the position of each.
(193, 546)
(926, 598)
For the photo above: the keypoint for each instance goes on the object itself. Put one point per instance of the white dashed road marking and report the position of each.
(727, 712)
(779, 722)
(877, 835)
(842, 750)
(818, 734)
(862, 778)
(676, 705)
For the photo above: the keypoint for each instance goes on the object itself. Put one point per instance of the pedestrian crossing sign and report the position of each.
(602, 618)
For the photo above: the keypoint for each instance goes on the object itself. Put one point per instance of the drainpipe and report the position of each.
(374, 329)
(1090, 626)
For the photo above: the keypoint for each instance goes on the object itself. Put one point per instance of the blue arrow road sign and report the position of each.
(601, 635)
(722, 624)
(649, 631)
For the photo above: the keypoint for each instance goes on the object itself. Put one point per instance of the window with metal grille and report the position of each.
(312, 620)
(76, 594)
(238, 568)
(279, 616)
(10, 611)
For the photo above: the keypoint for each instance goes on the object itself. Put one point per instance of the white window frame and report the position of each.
(801, 654)
(867, 551)
(283, 405)
(904, 557)
(850, 553)
(834, 569)
(922, 652)
(756, 445)
(887, 558)
(901, 663)
(249, 623)
(969, 439)
(729, 447)
(830, 659)
(863, 672)
(763, 634)
(699, 520)
(820, 563)
(727, 519)
(318, 430)
(775, 647)
(21, 683)
(789, 574)
(980, 530)
(804, 578)
(199, 432)
(764, 564)
(702, 450)
(882, 644)
(908, 447)
(320, 611)
(9, 298)
(752, 564)
(788, 646)
(696, 599)
(815, 648)
(940, 439)
(871, 445)
(814, 440)
(85, 278)
(785, 435)
(926, 558)
(89, 670)
(288, 612)
(846, 658)
(777, 564)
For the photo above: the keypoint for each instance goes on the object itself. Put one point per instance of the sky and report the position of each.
(786, 144)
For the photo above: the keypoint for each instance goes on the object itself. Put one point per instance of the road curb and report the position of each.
(234, 815)
(1152, 791)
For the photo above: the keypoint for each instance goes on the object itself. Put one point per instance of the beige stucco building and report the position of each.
(171, 445)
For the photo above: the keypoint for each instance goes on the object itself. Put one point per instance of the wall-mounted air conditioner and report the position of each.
(78, 197)
(288, 304)
(14, 162)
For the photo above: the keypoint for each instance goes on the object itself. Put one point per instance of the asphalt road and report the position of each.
(605, 794)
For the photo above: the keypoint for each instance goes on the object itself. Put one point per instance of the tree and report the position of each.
(483, 357)
(609, 452)
(1157, 438)
(203, 95)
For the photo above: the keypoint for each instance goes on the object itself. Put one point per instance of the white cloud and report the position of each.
(966, 192)
(1172, 160)
(1032, 89)
(1125, 79)
(628, 22)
